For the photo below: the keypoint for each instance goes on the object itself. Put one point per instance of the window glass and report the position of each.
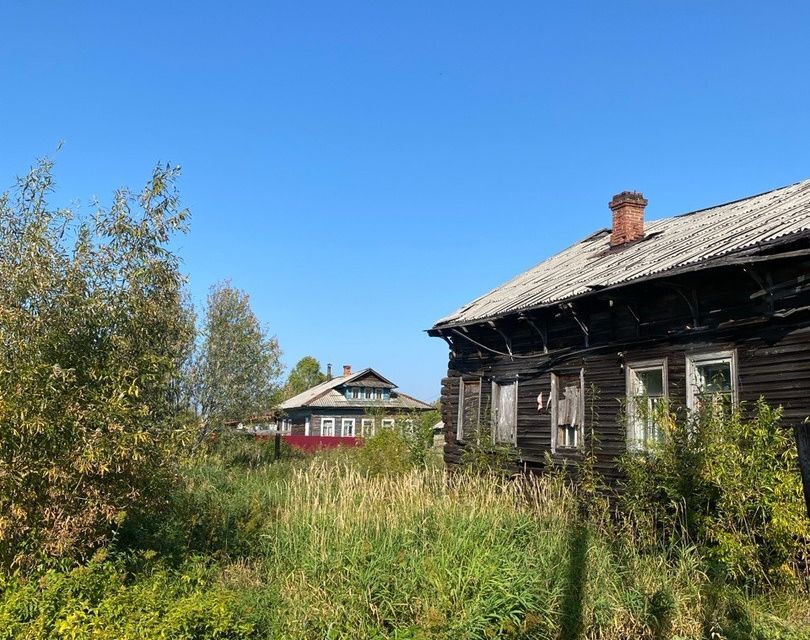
(712, 383)
(367, 427)
(645, 394)
(327, 426)
(347, 427)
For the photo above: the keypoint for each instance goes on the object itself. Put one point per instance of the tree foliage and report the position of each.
(237, 368)
(93, 328)
(304, 375)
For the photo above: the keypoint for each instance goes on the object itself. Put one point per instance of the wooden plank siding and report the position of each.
(716, 310)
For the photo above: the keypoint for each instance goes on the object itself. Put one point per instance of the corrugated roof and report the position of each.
(669, 245)
(326, 395)
(306, 397)
(334, 398)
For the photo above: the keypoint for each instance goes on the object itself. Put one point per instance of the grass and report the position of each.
(322, 549)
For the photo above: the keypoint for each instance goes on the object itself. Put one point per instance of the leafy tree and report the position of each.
(93, 329)
(304, 375)
(235, 373)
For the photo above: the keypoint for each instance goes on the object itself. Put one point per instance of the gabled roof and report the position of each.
(670, 245)
(326, 394)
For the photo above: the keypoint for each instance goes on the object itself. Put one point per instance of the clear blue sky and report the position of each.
(364, 168)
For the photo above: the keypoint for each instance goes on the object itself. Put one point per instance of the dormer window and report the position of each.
(355, 393)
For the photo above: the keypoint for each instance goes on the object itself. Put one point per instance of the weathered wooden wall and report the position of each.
(762, 312)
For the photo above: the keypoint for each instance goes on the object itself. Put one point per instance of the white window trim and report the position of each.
(639, 366)
(343, 422)
(580, 434)
(388, 423)
(367, 427)
(711, 357)
(307, 425)
(496, 392)
(334, 422)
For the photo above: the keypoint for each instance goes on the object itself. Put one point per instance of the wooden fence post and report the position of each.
(802, 433)
(277, 447)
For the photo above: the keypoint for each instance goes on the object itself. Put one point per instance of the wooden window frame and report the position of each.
(343, 422)
(460, 416)
(634, 443)
(364, 424)
(496, 394)
(694, 360)
(580, 431)
(334, 426)
(388, 423)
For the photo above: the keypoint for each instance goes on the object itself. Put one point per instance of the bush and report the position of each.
(729, 484)
(94, 328)
(103, 600)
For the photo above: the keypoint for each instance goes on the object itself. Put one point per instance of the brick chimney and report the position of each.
(347, 369)
(628, 217)
(329, 371)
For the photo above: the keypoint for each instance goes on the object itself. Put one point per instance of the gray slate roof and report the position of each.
(669, 245)
(326, 394)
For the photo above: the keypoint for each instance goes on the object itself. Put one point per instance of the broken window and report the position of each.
(469, 408)
(567, 411)
(504, 412)
(712, 381)
(646, 392)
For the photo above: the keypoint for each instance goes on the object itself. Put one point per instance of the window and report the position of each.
(355, 393)
(388, 423)
(367, 427)
(504, 412)
(646, 391)
(369, 393)
(469, 408)
(567, 410)
(347, 427)
(711, 381)
(327, 426)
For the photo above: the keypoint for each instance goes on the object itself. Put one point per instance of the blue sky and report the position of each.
(364, 168)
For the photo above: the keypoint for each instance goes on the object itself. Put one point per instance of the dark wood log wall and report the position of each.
(764, 318)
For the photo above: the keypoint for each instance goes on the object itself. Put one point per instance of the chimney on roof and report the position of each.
(347, 369)
(628, 217)
(329, 371)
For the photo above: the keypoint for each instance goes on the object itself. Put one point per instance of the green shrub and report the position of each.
(730, 484)
(102, 600)
(94, 330)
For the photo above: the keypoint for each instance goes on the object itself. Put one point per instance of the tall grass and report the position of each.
(421, 554)
(323, 549)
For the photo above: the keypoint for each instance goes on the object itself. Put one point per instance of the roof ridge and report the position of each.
(725, 204)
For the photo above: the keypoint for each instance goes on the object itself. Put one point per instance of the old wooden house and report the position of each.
(351, 405)
(709, 304)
